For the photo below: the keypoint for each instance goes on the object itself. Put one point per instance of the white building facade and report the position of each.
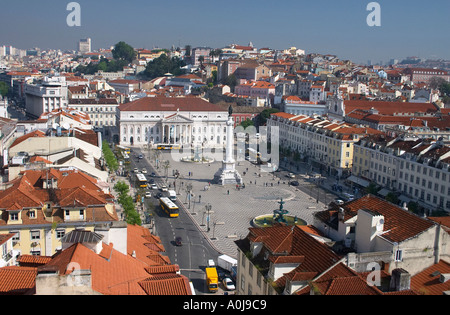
(50, 94)
(178, 120)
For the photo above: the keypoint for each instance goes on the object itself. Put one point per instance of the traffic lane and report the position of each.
(183, 225)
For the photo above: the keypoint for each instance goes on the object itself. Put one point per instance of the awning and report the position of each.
(384, 192)
(358, 181)
(404, 198)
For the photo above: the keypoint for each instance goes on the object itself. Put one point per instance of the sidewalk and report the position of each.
(234, 209)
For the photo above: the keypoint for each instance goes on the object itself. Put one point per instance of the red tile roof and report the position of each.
(399, 225)
(17, 280)
(390, 108)
(428, 281)
(114, 273)
(170, 104)
(74, 188)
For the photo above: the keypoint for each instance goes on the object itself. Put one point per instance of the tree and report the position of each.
(3, 88)
(123, 51)
(246, 123)
(162, 65)
(188, 50)
(264, 115)
(231, 81)
(110, 159)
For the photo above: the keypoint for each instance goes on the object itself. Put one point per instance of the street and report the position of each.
(193, 254)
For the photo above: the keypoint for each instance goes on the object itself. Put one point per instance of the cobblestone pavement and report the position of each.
(233, 210)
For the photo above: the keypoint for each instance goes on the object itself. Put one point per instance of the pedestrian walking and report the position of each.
(228, 192)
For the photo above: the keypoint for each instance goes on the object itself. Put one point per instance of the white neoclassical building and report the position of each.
(172, 120)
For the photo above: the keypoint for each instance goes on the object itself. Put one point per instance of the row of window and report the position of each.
(95, 109)
(195, 130)
(35, 235)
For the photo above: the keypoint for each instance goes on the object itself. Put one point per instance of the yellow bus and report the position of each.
(169, 207)
(162, 146)
(126, 157)
(124, 149)
(141, 180)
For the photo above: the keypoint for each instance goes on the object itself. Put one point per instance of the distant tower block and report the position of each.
(228, 175)
(84, 45)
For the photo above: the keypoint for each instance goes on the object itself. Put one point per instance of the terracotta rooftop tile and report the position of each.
(428, 281)
(17, 280)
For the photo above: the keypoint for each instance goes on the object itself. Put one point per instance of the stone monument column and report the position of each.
(228, 175)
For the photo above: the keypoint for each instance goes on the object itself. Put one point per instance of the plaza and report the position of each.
(232, 209)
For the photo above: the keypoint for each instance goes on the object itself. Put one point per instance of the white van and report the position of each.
(172, 195)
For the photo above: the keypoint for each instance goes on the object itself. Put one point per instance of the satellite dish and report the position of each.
(55, 125)
(66, 125)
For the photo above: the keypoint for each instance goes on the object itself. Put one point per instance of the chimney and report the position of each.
(400, 280)
(133, 254)
(341, 214)
(444, 277)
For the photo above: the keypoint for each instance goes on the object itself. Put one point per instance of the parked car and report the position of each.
(228, 284)
(294, 183)
(144, 171)
(148, 195)
(141, 156)
(136, 170)
(348, 197)
(164, 188)
(339, 202)
(153, 186)
(290, 175)
(158, 195)
(153, 174)
(178, 241)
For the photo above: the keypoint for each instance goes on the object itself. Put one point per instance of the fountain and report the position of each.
(279, 216)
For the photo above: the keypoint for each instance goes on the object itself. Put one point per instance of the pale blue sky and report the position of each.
(408, 28)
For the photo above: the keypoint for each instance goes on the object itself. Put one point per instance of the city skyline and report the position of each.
(410, 28)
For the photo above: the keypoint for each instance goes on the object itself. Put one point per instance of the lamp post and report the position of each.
(208, 208)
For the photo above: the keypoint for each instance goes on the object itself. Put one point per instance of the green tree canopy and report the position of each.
(123, 51)
(3, 88)
(264, 115)
(162, 65)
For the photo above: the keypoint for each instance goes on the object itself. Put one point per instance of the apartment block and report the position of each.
(326, 144)
(42, 206)
(45, 96)
(416, 169)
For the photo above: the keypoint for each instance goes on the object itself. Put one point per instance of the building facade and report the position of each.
(416, 169)
(176, 120)
(325, 144)
(42, 206)
(84, 45)
(45, 96)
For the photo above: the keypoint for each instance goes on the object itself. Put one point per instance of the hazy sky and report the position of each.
(408, 27)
